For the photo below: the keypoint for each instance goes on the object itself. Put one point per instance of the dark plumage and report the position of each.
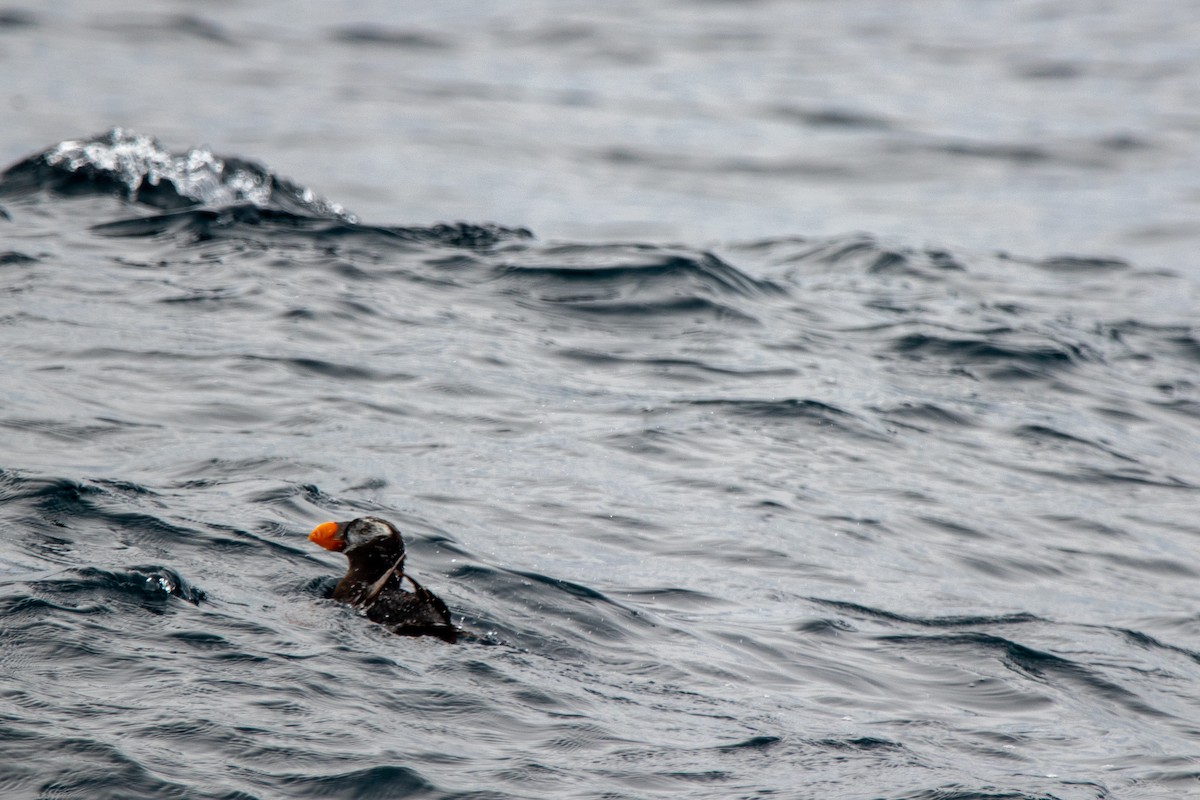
(375, 581)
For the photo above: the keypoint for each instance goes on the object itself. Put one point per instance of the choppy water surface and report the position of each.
(803, 517)
(728, 504)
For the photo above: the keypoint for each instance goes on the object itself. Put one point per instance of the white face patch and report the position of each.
(364, 529)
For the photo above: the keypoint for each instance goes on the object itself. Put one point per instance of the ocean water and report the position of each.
(789, 400)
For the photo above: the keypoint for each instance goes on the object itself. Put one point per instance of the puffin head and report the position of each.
(370, 532)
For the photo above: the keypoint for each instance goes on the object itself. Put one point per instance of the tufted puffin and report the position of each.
(375, 581)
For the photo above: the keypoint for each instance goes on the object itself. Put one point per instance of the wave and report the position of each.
(140, 169)
(634, 285)
(149, 587)
(251, 220)
(204, 196)
(1012, 354)
(577, 266)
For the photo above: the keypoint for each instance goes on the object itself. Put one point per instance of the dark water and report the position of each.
(791, 517)
(730, 505)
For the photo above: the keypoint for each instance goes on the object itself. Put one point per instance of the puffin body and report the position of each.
(375, 581)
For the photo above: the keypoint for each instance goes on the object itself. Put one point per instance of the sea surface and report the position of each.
(788, 399)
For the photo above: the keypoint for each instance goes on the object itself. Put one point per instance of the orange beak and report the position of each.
(328, 535)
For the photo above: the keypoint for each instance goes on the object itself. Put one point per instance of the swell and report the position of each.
(633, 284)
(548, 615)
(252, 221)
(787, 411)
(1065, 675)
(999, 347)
(100, 591)
(1025, 676)
(601, 267)
(69, 504)
(57, 765)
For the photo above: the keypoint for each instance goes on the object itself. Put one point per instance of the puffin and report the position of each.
(374, 584)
